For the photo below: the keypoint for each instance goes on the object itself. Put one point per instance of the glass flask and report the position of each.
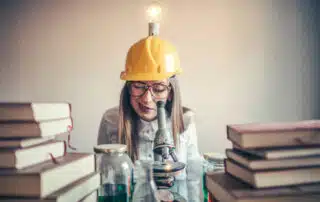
(116, 169)
(145, 188)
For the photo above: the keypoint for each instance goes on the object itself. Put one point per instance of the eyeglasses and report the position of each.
(158, 90)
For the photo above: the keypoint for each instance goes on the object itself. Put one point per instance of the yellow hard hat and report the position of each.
(151, 59)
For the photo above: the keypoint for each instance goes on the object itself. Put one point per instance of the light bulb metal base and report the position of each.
(154, 29)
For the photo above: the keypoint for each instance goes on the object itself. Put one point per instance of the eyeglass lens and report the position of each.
(158, 90)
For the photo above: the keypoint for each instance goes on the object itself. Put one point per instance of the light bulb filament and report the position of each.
(154, 13)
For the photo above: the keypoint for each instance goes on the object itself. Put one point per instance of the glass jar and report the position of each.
(116, 169)
(212, 162)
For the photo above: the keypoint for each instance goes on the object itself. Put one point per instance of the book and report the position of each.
(255, 135)
(43, 179)
(21, 158)
(283, 152)
(17, 129)
(225, 188)
(83, 189)
(23, 142)
(19, 143)
(93, 197)
(273, 177)
(34, 111)
(254, 162)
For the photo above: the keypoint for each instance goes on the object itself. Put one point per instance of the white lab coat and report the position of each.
(188, 182)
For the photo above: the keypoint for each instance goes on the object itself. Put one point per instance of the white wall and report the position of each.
(243, 60)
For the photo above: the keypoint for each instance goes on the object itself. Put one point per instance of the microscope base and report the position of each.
(167, 195)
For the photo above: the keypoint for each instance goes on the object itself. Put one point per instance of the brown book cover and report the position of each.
(34, 111)
(83, 189)
(35, 129)
(255, 135)
(273, 177)
(20, 143)
(282, 152)
(226, 188)
(24, 157)
(254, 162)
(45, 178)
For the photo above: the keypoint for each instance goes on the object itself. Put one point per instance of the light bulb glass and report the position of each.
(154, 12)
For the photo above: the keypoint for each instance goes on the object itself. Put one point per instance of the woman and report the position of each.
(151, 68)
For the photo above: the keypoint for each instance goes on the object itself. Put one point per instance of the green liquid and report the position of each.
(113, 193)
(204, 188)
(117, 198)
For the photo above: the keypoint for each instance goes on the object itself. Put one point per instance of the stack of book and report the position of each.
(34, 162)
(270, 162)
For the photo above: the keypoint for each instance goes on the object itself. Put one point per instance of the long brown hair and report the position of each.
(128, 119)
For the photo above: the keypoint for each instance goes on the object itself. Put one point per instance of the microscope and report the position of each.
(164, 168)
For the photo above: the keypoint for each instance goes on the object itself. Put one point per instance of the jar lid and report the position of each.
(214, 156)
(110, 148)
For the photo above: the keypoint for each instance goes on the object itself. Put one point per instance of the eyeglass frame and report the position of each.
(147, 88)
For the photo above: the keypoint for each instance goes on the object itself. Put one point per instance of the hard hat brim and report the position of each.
(147, 76)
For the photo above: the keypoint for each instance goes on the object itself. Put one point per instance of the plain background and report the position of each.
(243, 60)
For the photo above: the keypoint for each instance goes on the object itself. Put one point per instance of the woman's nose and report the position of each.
(147, 97)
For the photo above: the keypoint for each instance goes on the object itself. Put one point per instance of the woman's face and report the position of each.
(145, 94)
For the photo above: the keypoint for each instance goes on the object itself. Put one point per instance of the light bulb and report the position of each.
(154, 15)
(154, 12)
